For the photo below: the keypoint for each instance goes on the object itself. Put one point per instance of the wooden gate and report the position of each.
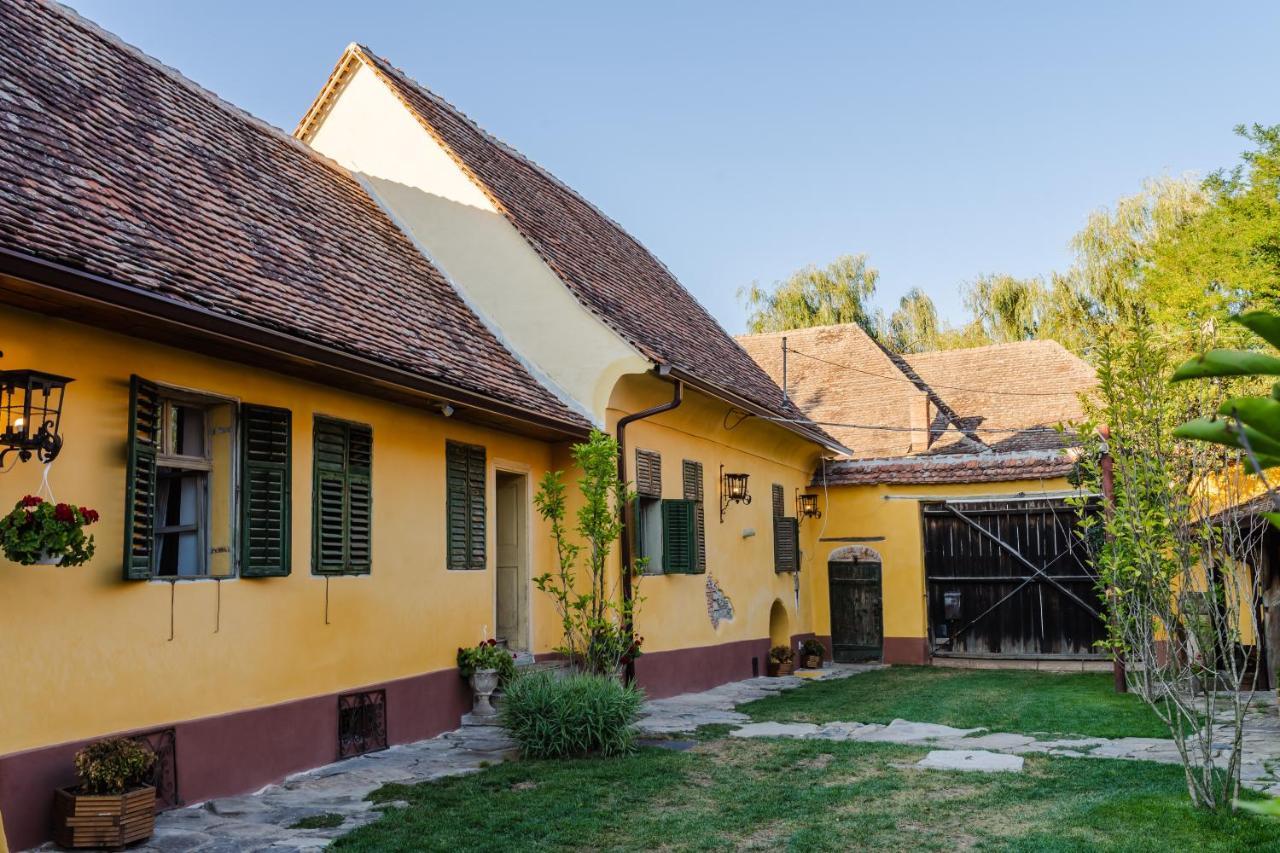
(857, 615)
(1010, 578)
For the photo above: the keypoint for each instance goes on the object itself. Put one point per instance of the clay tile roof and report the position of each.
(1027, 387)
(117, 166)
(953, 468)
(605, 268)
(840, 375)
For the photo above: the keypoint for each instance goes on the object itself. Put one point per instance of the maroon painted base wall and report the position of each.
(664, 674)
(906, 650)
(238, 752)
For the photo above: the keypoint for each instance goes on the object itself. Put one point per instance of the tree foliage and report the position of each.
(595, 620)
(840, 292)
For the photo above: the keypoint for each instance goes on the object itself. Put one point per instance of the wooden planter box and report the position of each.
(777, 669)
(103, 820)
(812, 661)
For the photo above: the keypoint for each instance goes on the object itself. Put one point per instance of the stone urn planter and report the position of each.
(103, 820)
(483, 683)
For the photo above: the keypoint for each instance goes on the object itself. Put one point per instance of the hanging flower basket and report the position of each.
(39, 533)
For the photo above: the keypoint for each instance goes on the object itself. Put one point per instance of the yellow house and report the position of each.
(315, 381)
(946, 535)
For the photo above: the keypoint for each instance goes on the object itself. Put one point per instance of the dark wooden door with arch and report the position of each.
(857, 605)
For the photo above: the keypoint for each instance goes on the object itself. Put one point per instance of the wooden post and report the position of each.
(1108, 508)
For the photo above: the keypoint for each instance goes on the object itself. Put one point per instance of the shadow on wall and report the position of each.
(779, 625)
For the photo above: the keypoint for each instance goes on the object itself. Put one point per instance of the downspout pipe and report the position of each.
(624, 541)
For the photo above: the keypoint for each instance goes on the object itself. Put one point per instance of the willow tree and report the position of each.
(839, 292)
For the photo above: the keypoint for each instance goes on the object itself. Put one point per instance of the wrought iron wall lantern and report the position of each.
(733, 489)
(31, 414)
(807, 506)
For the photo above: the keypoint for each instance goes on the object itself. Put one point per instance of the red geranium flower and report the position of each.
(32, 500)
(64, 512)
(90, 515)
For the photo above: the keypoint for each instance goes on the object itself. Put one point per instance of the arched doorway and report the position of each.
(779, 625)
(857, 605)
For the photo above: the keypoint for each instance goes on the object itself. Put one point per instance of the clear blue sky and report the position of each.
(740, 140)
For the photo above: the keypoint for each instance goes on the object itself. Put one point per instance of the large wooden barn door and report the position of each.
(1010, 578)
(857, 614)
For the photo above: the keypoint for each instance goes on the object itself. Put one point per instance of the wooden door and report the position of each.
(512, 580)
(857, 612)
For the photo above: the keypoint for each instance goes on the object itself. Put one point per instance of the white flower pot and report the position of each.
(483, 683)
(48, 558)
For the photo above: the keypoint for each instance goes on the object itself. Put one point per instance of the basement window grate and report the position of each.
(362, 723)
(164, 743)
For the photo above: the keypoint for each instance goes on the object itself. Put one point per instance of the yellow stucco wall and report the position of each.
(371, 132)
(866, 511)
(674, 613)
(87, 653)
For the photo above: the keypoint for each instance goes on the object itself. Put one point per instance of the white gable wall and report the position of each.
(369, 131)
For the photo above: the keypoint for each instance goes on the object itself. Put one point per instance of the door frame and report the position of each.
(520, 469)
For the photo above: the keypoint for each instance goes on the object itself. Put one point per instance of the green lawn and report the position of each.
(731, 794)
(1000, 700)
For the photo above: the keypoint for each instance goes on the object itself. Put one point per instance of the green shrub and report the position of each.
(576, 715)
(114, 766)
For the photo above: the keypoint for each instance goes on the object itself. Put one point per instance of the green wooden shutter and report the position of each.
(265, 491)
(693, 491)
(140, 479)
(649, 473)
(678, 537)
(359, 499)
(779, 501)
(786, 545)
(342, 513)
(466, 479)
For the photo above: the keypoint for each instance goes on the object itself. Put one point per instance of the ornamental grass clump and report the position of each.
(577, 715)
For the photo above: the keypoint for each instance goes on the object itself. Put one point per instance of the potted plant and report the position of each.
(114, 804)
(811, 653)
(36, 532)
(486, 666)
(781, 661)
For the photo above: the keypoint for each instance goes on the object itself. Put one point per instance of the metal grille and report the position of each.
(164, 777)
(362, 723)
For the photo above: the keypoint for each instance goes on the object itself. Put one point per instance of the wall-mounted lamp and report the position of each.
(807, 506)
(31, 413)
(733, 489)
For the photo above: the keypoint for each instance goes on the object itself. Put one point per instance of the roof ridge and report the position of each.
(95, 29)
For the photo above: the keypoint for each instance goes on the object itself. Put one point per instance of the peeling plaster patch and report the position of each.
(719, 607)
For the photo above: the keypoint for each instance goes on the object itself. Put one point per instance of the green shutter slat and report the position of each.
(693, 491)
(466, 481)
(140, 478)
(678, 536)
(786, 545)
(266, 495)
(342, 513)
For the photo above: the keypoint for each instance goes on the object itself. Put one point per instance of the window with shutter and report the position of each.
(679, 537)
(693, 491)
(180, 479)
(342, 498)
(265, 498)
(648, 474)
(466, 480)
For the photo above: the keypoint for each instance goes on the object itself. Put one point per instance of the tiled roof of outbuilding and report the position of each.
(605, 268)
(117, 166)
(950, 468)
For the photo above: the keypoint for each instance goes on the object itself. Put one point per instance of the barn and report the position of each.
(950, 534)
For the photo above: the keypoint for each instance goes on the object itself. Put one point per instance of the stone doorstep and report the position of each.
(972, 760)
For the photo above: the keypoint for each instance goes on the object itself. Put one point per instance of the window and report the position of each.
(465, 480)
(362, 722)
(183, 518)
(342, 497)
(786, 535)
(668, 533)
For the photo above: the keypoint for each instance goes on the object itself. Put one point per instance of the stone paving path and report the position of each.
(264, 821)
(1260, 769)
